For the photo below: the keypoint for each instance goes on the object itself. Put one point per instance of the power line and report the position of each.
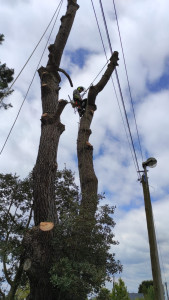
(114, 86)
(31, 53)
(128, 80)
(99, 29)
(118, 82)
(60, 4)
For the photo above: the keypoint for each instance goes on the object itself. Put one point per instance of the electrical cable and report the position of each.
(128, 80)
(99, 29)
(114, 87)
(118, 82)
(61, 2)
(31, 53)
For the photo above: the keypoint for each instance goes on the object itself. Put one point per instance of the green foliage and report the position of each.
(82, 261)
(6, 76)
(150, 293)
(15, 215)
(104, 294)
(22, 292)
(119, 291)
(143, 287)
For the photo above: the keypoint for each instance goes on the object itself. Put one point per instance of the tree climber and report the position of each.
(78, 101)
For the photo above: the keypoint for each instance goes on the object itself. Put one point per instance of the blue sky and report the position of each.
(144, 29)
(160, 84)
(78, 57)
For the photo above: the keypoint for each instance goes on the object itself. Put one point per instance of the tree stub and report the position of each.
(46, 226)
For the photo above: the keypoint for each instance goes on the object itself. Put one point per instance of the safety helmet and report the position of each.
(80, 88)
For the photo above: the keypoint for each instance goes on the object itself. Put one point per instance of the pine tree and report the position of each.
(6, 76)
(119, 291)
(150, 293)
(104, 294)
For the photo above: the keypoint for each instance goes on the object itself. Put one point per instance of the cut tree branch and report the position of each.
(67, 75)
(88, 179)
(56, 49)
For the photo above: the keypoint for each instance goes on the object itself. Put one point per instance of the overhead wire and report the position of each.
(120, 91)
(132, 104)
(114, 85)
(59, 8)
(104, 48)
(135, 119)
(9, 89)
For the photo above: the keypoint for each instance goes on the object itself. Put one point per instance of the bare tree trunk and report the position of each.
(38, 246)
(88, 179)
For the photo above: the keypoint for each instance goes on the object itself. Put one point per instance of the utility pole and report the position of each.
(166, 290)
(155, 265)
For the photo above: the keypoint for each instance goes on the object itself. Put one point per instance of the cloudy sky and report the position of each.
(144, 30)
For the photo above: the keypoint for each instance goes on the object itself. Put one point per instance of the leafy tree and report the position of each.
(119, 291)
(144, 285)
(15, 217)
(85, 263)
(79, 265)
(6, 76)
(104, 294)
(150, 293)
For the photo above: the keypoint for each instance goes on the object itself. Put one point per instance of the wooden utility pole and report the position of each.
(166, 290)
(155, 265)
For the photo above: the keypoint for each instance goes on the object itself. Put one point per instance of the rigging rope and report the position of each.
(96, 77)
(31, 53)
(114, 87)
(118, 82)
(60, 4)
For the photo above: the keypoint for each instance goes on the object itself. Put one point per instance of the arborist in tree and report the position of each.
(78, 101)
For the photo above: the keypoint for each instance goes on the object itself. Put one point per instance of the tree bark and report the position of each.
(88, 179)
(38, 247)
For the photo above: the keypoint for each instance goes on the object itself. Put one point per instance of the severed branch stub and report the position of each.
(50, 118)
(46, 226)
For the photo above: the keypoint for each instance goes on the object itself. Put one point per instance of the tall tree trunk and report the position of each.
(88, 179)
(38, 246)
